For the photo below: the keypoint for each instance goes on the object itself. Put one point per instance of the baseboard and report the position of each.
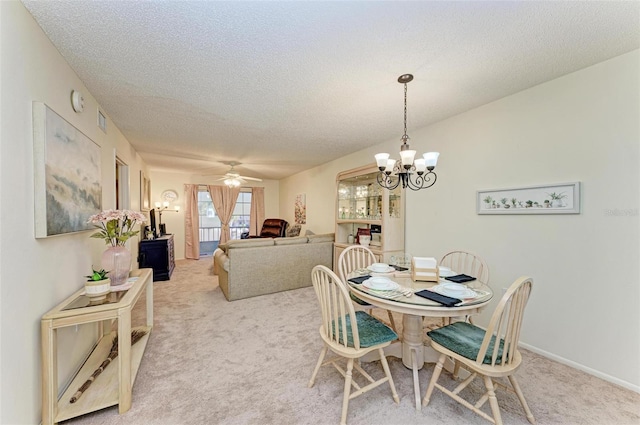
(583, 368)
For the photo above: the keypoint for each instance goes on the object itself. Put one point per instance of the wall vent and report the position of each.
(102, 121)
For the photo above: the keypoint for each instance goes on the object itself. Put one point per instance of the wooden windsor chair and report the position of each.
(350, 334)
(491, 353)
(356, 257)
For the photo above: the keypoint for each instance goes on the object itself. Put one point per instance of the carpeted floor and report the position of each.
(210, 361)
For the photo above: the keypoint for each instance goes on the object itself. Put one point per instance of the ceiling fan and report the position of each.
(233, 179)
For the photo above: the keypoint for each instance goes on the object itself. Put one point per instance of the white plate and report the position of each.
(380, 284)
(446, 272)
(455, 290)
(389, 269)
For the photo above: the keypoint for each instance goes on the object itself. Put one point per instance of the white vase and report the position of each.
(117, 261)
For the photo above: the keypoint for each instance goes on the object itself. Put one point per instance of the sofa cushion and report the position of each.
(290, 241)
(249, 243)
(326, 237)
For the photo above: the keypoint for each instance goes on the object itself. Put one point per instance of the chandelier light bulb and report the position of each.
(381, 160)
(391, 163)
(407, 158)
(431, 159)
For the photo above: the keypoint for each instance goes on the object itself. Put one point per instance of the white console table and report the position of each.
(113, 386)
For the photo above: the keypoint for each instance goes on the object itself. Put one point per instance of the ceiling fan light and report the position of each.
(232, 182)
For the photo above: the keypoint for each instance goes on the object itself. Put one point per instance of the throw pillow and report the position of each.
(293, 231)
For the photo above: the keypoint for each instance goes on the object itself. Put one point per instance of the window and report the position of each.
(210, 226)
(240, 219)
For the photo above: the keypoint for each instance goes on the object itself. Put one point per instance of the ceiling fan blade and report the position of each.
(255, 179)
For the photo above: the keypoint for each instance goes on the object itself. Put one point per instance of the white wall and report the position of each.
(36, 274)
(582, 127)
(162, 180)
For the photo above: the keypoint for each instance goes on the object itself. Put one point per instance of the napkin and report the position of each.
(442, 299)
(460, 278)
(358, 280)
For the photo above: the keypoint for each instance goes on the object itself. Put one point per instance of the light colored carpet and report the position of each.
(210, 361)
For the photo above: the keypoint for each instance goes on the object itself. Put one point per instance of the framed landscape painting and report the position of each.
(67, 175)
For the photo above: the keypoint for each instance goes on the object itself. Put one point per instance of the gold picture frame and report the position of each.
(145, 192)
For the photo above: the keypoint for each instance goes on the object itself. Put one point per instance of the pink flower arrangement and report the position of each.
(116, 226)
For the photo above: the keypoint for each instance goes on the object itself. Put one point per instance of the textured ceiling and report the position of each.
(284, 86)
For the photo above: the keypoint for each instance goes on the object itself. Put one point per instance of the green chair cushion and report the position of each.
(371, 330)
(358, 300)
(465, 339)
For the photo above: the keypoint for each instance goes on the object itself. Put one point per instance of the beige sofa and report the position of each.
(251, 267)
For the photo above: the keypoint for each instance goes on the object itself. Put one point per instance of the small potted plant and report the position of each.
(98, 285)
(514, 202)
(488, 201)
(504, 202)
(529, 204)
(556, 199)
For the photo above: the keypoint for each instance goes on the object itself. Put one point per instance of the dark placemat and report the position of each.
(358, 280)
(442, 299)
(460, 278)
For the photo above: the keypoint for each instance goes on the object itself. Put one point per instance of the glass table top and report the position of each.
(83, 301)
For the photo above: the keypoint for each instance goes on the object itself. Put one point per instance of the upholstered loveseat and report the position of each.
(252, 267)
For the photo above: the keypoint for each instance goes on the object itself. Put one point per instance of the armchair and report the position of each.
(272, 228)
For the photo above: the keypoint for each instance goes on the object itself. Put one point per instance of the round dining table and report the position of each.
(414, 347)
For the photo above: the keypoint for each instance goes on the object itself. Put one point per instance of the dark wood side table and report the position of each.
(158, 254)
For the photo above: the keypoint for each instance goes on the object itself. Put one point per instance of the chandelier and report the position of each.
(408, 170)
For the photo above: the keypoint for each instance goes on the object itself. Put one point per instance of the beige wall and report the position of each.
(581, 127)
(36, 274)
(161, 181)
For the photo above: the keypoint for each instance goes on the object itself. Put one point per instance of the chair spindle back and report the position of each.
(467, 263)
(354, 257)
(505, 324)
(335, 306)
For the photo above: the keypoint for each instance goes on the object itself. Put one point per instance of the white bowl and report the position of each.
(380, 283)
(379, 267)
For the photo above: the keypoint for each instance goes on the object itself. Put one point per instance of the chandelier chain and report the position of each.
(405, 113)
